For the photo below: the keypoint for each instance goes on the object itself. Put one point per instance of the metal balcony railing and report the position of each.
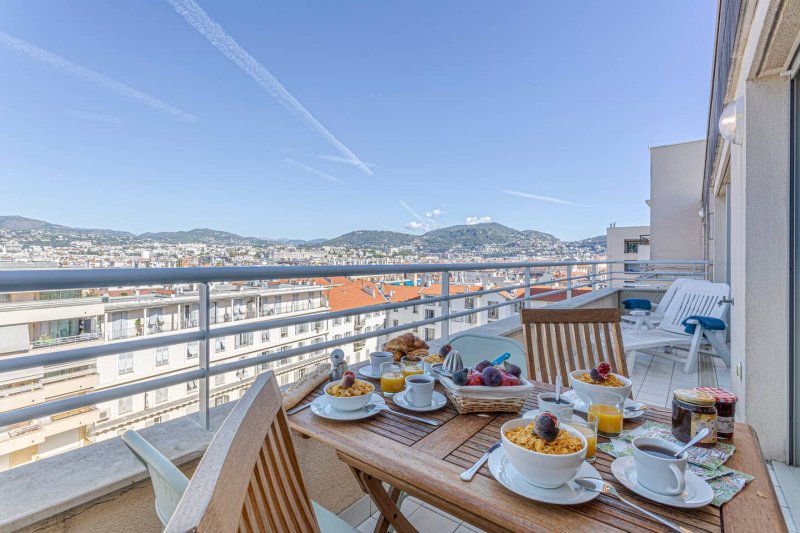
(205, 335)
(58, 341)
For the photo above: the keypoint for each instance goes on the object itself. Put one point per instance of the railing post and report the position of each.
(594, 277)
(569, 282)
(526, 291)
(446, 306)
(205, 327)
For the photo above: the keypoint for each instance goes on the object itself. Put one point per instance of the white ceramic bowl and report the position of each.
(583, 389)
(541, 469)
(349, 403)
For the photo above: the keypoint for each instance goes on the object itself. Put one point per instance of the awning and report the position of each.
(14, 338)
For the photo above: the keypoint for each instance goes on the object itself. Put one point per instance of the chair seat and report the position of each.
(652, 338)
(329, 522)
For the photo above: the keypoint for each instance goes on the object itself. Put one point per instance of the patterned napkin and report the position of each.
(707, 463)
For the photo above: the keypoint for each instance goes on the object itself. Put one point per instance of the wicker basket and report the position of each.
(475, 399)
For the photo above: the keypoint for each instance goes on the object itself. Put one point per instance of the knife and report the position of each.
(467, 475)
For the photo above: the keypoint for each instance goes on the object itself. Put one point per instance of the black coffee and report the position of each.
(655, 451)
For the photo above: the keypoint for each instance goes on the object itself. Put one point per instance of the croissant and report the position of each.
(420, 352)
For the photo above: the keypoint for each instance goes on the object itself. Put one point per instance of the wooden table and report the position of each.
(425, 462)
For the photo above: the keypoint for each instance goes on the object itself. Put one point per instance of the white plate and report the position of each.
(567, 494)
(366, 372)
(580, 406)
(438, 402)
(321, 406)
(698, 493)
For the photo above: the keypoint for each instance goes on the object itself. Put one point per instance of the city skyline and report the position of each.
(310, 121)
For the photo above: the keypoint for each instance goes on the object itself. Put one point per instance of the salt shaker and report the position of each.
(338, 365)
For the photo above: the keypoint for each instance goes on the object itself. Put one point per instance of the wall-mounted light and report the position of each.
(701, 213)
(731, 122)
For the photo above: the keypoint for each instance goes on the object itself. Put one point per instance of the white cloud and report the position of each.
(312, 170)
(434, 214)
(216, 35)
(477, 220)
(543, 198)
(417, 226)
(95, 117)
(91, 76)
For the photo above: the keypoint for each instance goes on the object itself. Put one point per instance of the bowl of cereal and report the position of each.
(349, 395)
(598, 381)
(544, 464)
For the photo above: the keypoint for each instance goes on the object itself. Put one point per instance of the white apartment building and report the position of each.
(627, 243)
(346, 294)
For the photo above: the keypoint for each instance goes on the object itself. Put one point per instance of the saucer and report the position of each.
(366, 372)
(580, 406)
(438, 402)
(567, 494)
(322, 407)
(698, 493)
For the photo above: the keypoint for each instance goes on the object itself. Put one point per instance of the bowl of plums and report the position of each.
(546, 453)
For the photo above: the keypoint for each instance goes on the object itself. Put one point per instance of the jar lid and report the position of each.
(720, 395)
(694, 396)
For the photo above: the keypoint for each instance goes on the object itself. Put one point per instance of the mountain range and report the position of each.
(482, 239)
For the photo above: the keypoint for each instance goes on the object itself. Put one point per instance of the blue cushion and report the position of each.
(637, 303)
(707, 322)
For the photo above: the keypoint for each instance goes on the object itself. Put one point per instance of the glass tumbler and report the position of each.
(392, 379)
(412, 365)
(608, 408)
(588, 428)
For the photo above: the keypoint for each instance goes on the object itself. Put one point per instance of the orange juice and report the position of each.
(393, 382)
(609, 418)
(591, 439)
(411, 370)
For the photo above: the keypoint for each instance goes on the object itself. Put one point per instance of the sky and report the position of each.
(311, 119)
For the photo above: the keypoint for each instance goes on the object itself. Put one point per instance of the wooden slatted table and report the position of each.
(426, 461)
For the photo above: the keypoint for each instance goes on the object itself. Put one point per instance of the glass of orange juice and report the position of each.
(392, 379)
(412, 365)
(588, 428)
(608, 408)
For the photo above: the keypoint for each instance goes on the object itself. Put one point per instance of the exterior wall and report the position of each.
(615, 239)
(676, 172)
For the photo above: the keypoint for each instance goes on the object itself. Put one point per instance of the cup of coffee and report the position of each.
(562, 408)
(657, 468)
(376, 359)
(419, 390)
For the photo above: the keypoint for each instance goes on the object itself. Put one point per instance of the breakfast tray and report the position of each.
(480, 399)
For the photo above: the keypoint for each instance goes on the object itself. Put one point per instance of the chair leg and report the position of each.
(691, 358)
(630, 360)
(719, 347)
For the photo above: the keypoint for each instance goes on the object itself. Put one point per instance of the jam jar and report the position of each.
(726, 410)
(693, 410)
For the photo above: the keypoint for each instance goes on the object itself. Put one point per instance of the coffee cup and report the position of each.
(657, 468)
(419, 390)
(376, 359)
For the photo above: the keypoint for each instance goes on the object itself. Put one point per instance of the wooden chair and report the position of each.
(559, 341)
(249, 478)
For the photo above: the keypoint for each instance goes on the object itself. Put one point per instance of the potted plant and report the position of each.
(138, 325)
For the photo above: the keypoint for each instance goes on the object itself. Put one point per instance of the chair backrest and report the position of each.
(249, 478)
(564, 340)
(674, 289)
(695, 299)
(475, 347)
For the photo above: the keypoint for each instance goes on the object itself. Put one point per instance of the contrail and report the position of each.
(216, 35)
(312, 170)
(91, 76)
(543, 198)
(344, 160)
(413, 213)
(95, 117)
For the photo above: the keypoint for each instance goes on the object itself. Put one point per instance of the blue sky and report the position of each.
(345, 115)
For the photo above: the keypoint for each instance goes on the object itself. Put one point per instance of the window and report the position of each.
(631, 246)
(415, 309)
(219, 400)
(243, 339)
(263, 367)
(300, 328)
(192, 349)
(318, 325)
(337, 336)
(348, 319)
(429, 313)
(220, 345)
(125, 363)
(337, 321)
(284, 332)
(191, 386)
(265, 336)
(494, 314)
(430, 334)
(469, 303)
(347, 334)
(471, 319)
(162, 356)
(162, 395)
(367, 329)
(285, 348)
(219, 380)
(124, 405)
(395, 323)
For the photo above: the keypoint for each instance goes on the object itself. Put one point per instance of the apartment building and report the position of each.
(627, 243)
(345, 294)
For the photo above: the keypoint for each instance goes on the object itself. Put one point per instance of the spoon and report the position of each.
(558, 387)
(636, 407)
(697, 438)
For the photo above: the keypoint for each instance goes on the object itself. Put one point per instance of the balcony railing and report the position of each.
(58, 341)
(206, 336)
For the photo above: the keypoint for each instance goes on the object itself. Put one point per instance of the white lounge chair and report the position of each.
(694, 299)
(641, 319)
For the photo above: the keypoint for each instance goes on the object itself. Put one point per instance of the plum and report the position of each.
(546, 426)
(444, 350)
(482, 365)
(512, 369)
(596, 375)
(460, 377)
(491, 376)
(509, 380)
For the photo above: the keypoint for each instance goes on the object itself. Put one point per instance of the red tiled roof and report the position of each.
(353, 294)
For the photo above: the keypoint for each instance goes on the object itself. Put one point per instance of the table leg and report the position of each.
(387, 505)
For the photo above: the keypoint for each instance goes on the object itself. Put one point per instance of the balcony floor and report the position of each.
(654, 378)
